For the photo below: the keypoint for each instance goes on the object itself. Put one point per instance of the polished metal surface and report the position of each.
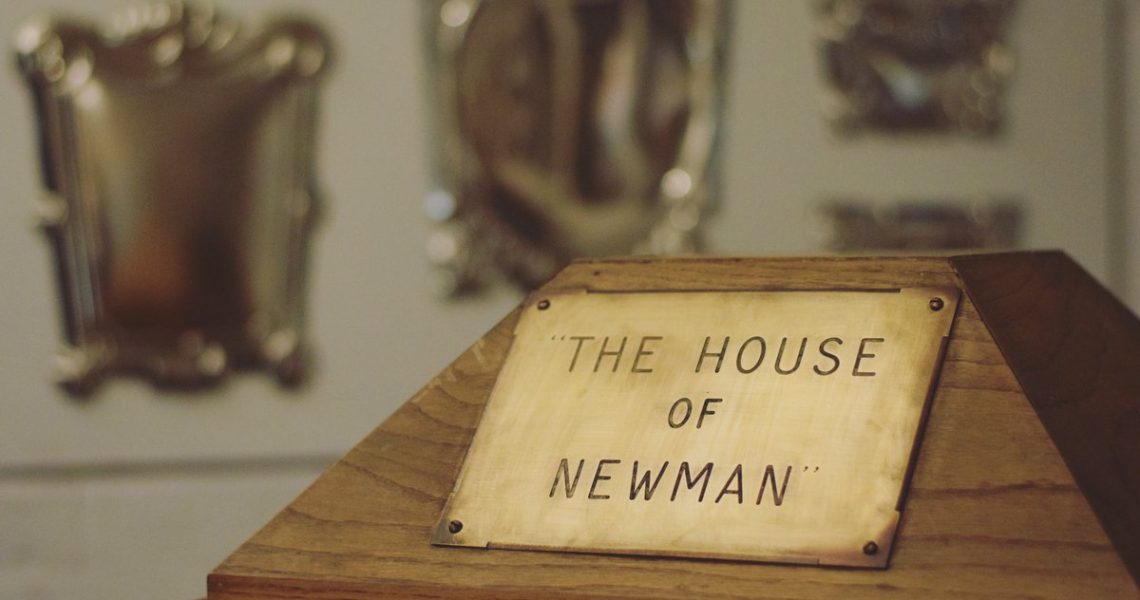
(747, 425)
(570, 128)
(178, 196)
(916, 65)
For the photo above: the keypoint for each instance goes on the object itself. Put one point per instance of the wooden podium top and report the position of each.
(1009, 497)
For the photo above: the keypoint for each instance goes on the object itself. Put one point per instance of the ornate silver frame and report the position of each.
(915, 65)
(483, 234)
(179, 194)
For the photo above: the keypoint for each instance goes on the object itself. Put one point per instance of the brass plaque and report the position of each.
(749, 425)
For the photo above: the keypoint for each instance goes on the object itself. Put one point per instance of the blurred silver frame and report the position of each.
(177, 150)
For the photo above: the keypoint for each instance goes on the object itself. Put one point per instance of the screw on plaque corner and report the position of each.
(936, 304)
(455, 526)
(543, 304)
(870, 548)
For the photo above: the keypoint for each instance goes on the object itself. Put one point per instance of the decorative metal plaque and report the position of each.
(748, 425)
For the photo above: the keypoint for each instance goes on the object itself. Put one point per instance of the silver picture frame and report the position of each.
(570, 128)
(179, 195)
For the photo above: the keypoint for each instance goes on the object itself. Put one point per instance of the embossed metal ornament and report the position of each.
(916, 65)
(933, 224)
(570, 128)
(177, 166)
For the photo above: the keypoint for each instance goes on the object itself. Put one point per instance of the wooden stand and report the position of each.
(1027, 482)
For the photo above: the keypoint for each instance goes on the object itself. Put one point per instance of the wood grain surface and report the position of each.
(1075, 350)
(992, 511)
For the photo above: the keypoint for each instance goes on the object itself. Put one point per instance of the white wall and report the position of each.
(782, 160)
(1131, 235)
(380, 333)
(129, 535)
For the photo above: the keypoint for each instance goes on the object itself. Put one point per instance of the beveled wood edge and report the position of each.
(504, 326)
(773, 258)
(718, 273)
(260, 587)
(1086, 453)
(234, 585)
